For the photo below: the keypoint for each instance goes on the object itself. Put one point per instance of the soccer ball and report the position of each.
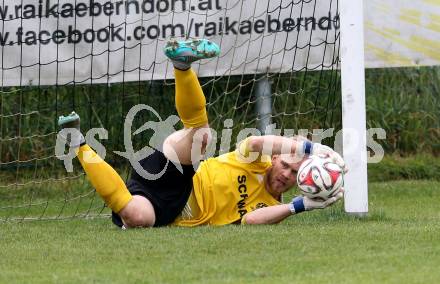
(318, 177)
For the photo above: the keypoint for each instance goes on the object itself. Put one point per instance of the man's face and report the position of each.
(282, 174)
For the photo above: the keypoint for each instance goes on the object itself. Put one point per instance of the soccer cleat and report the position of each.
(191, 50)
(70, 121)
(73, 138)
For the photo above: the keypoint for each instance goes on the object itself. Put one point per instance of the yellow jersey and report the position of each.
(225, 188)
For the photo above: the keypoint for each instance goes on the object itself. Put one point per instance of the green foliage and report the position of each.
(28, 115)
(406, 103)
(397, 243)
(412, 167)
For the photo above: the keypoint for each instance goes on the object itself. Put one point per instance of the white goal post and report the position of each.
(353, 106)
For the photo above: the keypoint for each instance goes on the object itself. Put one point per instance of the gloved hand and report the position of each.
(304, 203)
(322, 150)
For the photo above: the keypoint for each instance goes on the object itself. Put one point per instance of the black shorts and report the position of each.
(168, 194)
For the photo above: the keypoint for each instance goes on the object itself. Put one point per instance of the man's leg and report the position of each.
(190, 101)
(190, 104)
(134, 210)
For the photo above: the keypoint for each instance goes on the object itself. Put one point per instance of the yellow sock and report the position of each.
(104, 178)
(190, 100)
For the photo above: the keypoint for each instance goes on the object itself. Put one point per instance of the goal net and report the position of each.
(278, 71)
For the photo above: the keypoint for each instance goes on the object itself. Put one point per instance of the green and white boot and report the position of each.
(70, 129)
(183, 53)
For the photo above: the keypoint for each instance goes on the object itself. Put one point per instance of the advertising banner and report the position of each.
(104, 41)
(402, 33)
(63, 42)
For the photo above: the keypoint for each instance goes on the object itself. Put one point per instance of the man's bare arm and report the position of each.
(277, 213)
(267, 215)
(275, 145)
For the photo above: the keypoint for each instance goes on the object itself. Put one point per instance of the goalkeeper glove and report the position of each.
(317, 149)
(304, 203)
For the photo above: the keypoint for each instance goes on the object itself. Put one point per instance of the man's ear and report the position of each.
(275, 157)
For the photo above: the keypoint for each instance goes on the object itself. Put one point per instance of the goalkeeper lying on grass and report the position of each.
(224, 190)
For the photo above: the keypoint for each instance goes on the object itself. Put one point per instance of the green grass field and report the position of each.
(398, 243)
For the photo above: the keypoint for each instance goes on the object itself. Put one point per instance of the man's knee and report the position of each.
(138, 219)
(139, 212)
(187, 145)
